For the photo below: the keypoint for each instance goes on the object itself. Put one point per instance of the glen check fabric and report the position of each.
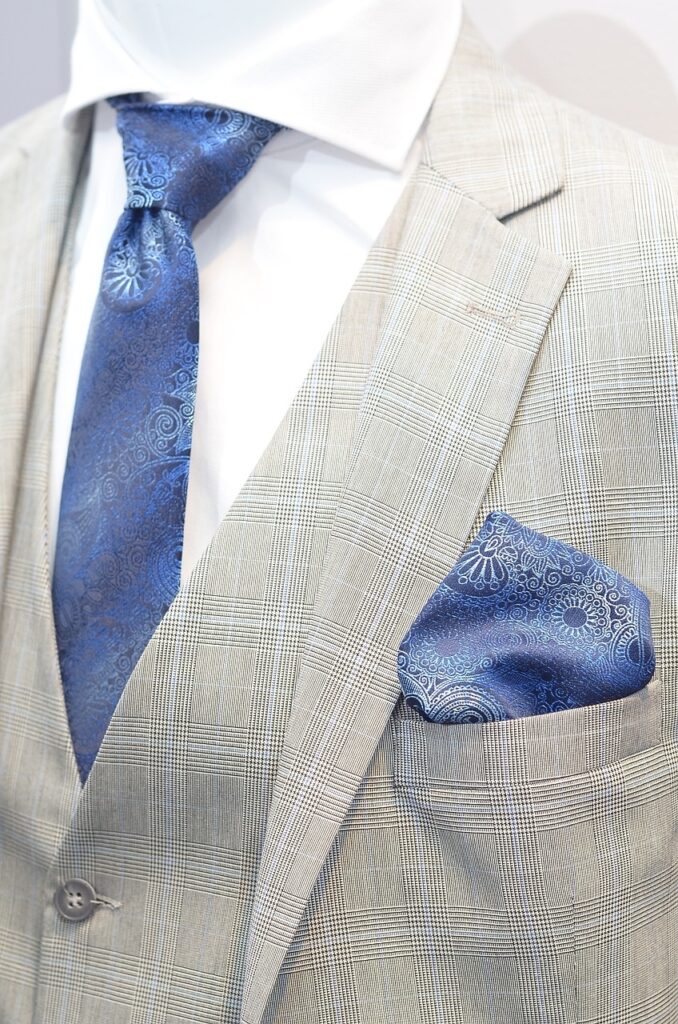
(286, 840)
(121, 523)
(524, 624)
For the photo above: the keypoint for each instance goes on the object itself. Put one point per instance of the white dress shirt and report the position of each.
(279, 254)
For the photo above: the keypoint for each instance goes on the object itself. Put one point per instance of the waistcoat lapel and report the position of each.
(38, 175)
(39, 784)
(469, 303)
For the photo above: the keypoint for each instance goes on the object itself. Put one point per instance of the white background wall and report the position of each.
(35, 39)
(619, 58)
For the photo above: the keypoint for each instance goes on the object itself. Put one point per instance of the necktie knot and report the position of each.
(186, 157)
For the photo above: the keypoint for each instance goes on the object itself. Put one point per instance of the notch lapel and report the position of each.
(470, 302)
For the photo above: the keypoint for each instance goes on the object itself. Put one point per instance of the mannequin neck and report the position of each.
(175, 40)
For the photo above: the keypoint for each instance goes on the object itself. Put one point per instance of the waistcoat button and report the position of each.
(75, 900)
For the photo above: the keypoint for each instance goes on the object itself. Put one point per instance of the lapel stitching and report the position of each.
(469, 305)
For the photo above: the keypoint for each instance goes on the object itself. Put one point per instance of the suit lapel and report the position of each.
(38, 175)
(469, 304)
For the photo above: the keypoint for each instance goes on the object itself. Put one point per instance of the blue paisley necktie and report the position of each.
(118, 554)
(524, 625)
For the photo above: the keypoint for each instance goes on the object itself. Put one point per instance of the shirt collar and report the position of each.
(363, 83)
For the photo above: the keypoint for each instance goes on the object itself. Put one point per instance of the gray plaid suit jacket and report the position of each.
(276, 839)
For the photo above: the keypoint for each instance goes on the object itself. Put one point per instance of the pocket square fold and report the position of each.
(524, 625)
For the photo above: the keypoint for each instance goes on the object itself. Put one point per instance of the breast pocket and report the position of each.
(554, 842)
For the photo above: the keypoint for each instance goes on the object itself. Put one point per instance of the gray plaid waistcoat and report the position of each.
(278, 840)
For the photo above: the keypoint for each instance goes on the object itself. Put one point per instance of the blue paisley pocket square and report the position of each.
(524, 625)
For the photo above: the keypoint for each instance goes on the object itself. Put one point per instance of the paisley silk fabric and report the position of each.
(524, 625)
(118, 555)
